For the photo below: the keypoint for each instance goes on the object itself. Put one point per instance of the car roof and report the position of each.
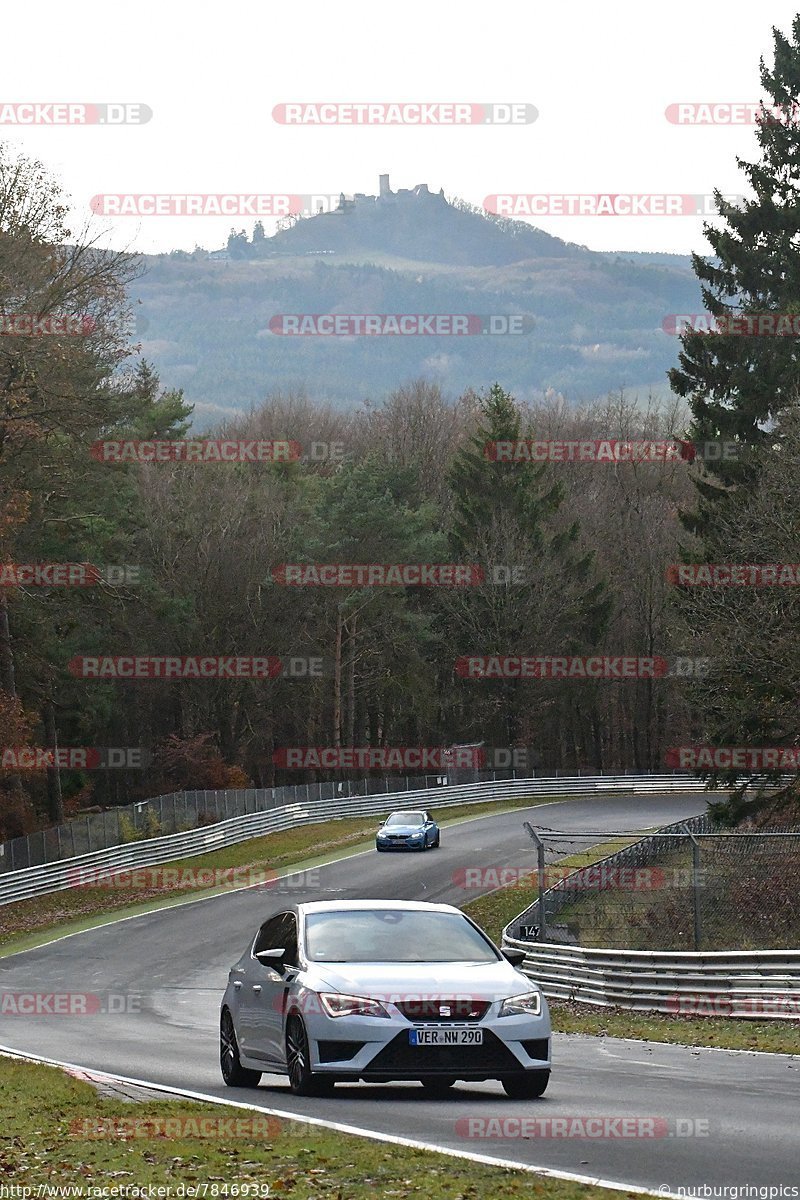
(312, 906)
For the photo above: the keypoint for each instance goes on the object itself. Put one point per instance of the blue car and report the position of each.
(413, 830)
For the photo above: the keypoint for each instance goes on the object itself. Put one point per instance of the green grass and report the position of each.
(776, 1037)
(28, 923)
(43, 1108)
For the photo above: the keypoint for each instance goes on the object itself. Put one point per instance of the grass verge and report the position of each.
(46, 1110)
(739, 1033)
(28, 923)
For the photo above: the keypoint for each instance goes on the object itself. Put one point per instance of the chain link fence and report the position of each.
(181, 811)
(689, 887)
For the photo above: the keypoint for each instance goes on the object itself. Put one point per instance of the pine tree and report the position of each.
(737, 385)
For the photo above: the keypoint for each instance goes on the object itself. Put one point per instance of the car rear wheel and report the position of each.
(234, 1074)
(527, 1086)
(438, 1085)
(302, 1079)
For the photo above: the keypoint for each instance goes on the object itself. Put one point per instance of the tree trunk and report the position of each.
(337, 682)
(55, 800)
(351, 681)
(7, 681)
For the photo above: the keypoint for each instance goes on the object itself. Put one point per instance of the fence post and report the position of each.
(695, 887)
(540, 871)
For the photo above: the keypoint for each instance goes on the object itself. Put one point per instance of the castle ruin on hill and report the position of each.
(385, 196)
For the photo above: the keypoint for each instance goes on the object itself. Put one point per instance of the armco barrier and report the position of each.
(736, 983)
(62, 875)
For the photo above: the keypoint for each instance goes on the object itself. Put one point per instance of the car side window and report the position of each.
(269, 935)
(288, 938)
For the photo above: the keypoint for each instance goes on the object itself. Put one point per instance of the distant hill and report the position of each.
(414, 223)
(595, 318)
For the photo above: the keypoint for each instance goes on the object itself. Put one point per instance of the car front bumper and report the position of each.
(405, 844)
(377, 1048)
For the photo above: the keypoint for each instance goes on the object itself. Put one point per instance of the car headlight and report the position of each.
(529, 1004)
(416, 836)
(338, 1005)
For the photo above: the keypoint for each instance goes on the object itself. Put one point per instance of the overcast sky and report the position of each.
(600, 76)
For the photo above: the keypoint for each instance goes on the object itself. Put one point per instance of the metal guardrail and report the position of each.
(66, 873)
(736, 983)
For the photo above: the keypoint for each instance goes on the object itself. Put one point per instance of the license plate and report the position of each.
(445, 1037)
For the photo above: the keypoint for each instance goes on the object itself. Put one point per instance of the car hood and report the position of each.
(487, 981)
(404, 829)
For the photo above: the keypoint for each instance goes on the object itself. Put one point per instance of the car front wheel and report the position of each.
(234, 1074)
(302, 1079)
(527, 1086)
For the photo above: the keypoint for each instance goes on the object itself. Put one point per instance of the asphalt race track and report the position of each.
(170, 968)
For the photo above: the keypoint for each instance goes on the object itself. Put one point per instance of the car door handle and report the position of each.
(256, 987)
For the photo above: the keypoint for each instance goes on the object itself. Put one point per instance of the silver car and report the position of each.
(381, 990)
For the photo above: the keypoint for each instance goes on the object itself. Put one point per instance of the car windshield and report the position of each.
(394, 935)
(406, 818)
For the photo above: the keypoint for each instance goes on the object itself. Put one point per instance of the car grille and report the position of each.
(400, 1059)
(537, 1048)
(431, 1010)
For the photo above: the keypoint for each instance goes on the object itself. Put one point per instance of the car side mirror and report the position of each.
(515, 957)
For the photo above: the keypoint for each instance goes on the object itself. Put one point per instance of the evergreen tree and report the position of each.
(507, 519)
(737, 385)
